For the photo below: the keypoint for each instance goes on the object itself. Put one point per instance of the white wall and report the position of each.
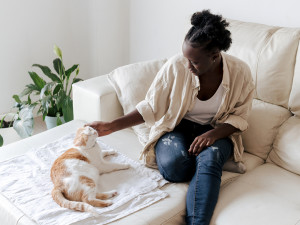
(157, 27)
(101, 35)
(93, 33)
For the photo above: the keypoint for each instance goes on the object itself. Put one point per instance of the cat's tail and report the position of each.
(60, 199)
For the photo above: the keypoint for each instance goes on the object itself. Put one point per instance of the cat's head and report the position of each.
(85, 137)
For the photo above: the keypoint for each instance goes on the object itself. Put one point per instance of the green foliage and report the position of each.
(55, 95)
(1, 141)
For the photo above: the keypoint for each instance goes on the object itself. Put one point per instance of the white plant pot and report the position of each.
(52, 121)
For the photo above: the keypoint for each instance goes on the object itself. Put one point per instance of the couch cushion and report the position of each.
(131, 83)
(266, 195)
(270, 52)
(264, 121)
(286, 147)
(294, 103)
(275, 70)
(251, 162)
(248, 39)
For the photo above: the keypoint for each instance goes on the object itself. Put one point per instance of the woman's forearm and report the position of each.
(223, 131)
(131, 119)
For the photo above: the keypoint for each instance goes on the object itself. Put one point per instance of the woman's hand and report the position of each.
(209, 138)
(201, 142)
(103, 128)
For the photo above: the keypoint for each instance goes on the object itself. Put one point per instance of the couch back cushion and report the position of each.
(131, 83)
(286, 147)
(264, 121)
(271, 54)
(294, 103)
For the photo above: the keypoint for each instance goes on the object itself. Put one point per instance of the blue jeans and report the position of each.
(203, 171)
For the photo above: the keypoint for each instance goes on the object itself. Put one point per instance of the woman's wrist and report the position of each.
(114, 125)
(223, 131)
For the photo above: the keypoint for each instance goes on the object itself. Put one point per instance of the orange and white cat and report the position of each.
(75, 174)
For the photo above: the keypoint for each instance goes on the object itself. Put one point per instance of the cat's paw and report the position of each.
(112, 193)
(109, 152)
(126, 166)
(108, 203)
(115, 193)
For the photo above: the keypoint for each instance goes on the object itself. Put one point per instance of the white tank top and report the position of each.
(204, 111)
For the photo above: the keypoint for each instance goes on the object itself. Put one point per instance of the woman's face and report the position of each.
(200, 61)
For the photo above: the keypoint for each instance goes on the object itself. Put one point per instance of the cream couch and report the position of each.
(267, 193)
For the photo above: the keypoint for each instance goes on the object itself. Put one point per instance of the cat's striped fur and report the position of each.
(76, 172)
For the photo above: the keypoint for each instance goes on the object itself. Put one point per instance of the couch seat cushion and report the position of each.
(265, 195)
(286, 150)
(264, 121)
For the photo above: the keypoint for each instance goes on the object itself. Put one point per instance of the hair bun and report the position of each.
(199, 18)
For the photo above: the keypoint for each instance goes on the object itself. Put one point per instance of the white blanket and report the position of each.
(25, 181)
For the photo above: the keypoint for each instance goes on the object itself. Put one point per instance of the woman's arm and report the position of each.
(104, 128)
(208, 138)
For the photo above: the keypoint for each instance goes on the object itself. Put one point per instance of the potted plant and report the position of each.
(53, 98)
(16, 125)
(54, 102)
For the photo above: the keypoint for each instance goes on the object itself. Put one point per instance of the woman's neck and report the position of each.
(216, 72)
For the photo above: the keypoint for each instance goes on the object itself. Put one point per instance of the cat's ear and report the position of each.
(80, 140)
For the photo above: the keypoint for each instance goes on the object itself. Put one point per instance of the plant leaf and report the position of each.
(58, 120)
(44, 116)
(57, 51)
(29, 89)
(45, 103)
(57, 64)
(46, 89)
(57, 89)
(60, 98)
(39, 82)
(71, 70)
(29, 100)
(17, 98)
(76, 80)
(1, 141)
(47, 71)
(67, 109)
(1, 122)
(24, 125)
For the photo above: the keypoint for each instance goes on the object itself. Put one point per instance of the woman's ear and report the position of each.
(215, 55)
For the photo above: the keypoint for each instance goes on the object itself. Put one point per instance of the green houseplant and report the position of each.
(21, 120)
(53, 96)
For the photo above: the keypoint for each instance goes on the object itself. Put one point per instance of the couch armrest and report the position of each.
(95, 99)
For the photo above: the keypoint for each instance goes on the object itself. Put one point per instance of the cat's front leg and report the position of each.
(108, 167)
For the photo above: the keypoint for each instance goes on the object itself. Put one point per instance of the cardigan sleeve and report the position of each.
(157, 100)
(238, 115)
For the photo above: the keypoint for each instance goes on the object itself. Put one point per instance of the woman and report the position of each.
(197, 107)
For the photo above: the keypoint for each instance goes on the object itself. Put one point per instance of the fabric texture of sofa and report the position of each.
(267, 193)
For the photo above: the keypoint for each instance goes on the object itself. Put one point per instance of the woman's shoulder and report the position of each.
(177, 61)
(237, 66)
(234, 61)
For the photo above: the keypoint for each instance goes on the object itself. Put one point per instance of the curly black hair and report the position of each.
(209, 31)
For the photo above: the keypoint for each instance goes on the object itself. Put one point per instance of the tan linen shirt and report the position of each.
(174, 91)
